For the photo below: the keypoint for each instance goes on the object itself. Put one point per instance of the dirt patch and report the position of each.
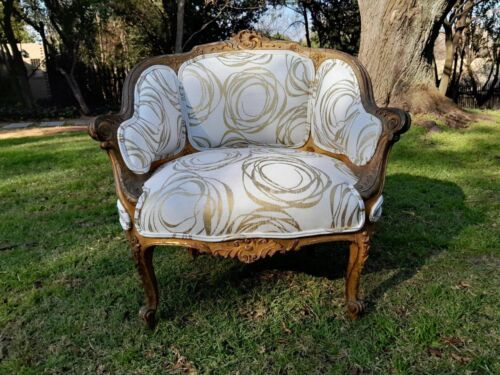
(428, 100)
(38, 132)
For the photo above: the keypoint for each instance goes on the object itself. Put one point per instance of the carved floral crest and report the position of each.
(250, 250)
(247, 39)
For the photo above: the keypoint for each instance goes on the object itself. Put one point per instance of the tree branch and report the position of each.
(204, 26)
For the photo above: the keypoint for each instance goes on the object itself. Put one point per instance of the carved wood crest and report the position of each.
(250, 250)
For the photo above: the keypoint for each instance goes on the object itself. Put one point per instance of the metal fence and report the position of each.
(466, 98)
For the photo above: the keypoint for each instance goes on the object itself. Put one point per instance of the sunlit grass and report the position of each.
(69, 294)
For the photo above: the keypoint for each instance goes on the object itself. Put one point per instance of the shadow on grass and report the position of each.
(421, 218)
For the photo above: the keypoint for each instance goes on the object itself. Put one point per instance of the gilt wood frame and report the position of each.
(371, 176)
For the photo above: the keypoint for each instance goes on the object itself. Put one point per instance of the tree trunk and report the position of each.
(472, 75)
(457, 75)
(75, 89)
(397, 41)
(71, 46)
(16, 63)
(452, 40)
(489, 87)
(179, 31)
(448, 60)
(306, 24)
(48, 57)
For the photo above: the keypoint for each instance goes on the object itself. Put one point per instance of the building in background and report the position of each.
(34, 60)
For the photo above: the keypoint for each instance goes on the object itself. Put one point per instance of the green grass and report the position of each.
(69, 294)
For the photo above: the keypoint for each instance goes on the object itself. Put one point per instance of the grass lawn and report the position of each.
(69, 293)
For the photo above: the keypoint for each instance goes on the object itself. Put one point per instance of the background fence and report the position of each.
(467, 99)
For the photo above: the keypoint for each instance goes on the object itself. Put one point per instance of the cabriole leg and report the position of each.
(143, 257)
(358, 254)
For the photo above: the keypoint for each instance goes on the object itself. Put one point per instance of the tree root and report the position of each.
(428, 100)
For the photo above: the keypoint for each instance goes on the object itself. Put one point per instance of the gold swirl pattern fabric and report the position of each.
(232, 193)
(157, 128)
(340, 123)
(241, 98)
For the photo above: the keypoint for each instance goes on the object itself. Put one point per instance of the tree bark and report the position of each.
(493, 83)
(75, 87)
(48, 57)
(453, 37)
(448, 60)
(16, 62)
(179, 31)
(483, 94)
(397, 41)
(306, 24)
(71, 46)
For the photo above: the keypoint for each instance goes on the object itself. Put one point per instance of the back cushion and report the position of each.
(156, 129)
(340, 123)
(241, 98)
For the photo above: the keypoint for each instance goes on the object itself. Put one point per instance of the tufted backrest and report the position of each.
(253, 97)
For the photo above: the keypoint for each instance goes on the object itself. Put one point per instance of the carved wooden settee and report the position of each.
(247, 148)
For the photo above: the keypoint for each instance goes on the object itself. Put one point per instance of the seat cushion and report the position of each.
(233, 193)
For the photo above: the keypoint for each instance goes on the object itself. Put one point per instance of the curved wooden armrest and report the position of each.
(128, 184)
(395, 122)
(104, 128)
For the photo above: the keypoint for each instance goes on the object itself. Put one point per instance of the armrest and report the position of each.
(344, 81)
(149, 129)
(128, 184)
(395, 122)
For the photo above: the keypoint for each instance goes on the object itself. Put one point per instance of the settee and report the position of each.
(247, 148)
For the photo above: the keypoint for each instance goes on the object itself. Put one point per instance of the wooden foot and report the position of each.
(143, 257)
(148, 316)
(358, 254)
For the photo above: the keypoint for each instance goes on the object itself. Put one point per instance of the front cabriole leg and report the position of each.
(143, 257)
(358, 254)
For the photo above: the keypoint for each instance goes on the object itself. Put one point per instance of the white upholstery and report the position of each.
(232, 193)
(156, 129)
(255, 97)
(245, 98)
(123, 216)
(340, 123)
(234, 106)
(376, 210)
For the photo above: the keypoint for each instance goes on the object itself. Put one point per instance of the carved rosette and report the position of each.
(396, 121)
(103, 129)
(247, 39)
